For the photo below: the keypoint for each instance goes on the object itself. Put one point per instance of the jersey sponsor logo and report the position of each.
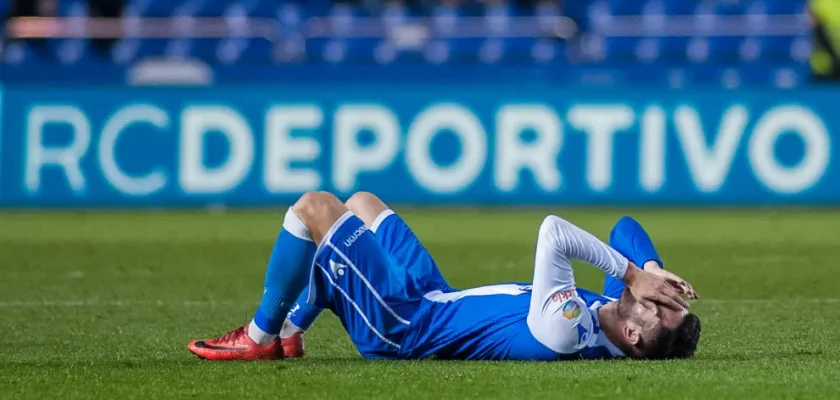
(355, 236)
(564, 295)
(337, 269)
(571, 309)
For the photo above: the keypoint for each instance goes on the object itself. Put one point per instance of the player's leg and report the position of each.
(304, 314)
(356, 278)
(400, 241)
(630, 239)
(287, 274)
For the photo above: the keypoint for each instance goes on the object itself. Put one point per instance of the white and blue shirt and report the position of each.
(494, 323)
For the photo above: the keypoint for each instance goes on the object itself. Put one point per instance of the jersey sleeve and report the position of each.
(558, 318)
(565, 324)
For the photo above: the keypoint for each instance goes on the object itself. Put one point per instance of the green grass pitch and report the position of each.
(101, 305)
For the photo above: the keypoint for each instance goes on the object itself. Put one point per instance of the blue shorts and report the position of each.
(374, 283)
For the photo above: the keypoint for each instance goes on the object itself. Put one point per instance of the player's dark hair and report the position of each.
(677, 343)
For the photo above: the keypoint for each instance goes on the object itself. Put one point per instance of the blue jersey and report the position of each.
(395, 304)
(490, 323)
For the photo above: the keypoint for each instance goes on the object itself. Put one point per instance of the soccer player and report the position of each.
(376, 276)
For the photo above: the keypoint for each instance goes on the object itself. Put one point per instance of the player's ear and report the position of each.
(632, 333)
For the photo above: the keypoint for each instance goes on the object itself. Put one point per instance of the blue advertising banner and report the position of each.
(418, 144)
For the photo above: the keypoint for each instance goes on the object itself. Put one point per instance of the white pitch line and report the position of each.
(204, 303)
(118, 303)
(827, 300)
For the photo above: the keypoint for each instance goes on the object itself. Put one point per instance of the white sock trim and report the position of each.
(380, 218)
(258, 335)
(289, 329)
(293, 225)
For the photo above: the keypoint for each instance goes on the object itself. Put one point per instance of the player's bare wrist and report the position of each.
(631, 273)
(651, 265)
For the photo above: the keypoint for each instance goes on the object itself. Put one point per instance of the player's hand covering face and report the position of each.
(678, 283)
(652, 289)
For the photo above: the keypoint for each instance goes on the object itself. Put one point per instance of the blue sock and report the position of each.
(630, 239)
(286, 276)
(304, 314)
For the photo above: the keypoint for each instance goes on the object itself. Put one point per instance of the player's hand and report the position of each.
(679, 283)
(651, 289)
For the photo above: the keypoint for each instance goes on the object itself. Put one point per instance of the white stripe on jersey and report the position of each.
(369, 286)
(509, 289)
(358, 309)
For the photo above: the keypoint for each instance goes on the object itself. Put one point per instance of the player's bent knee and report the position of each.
(366, 206)
(319, 211)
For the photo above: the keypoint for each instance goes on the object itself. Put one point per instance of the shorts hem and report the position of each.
(381, 218)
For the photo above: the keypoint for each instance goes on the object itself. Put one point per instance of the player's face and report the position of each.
(670, 319)
(647, 322)
(654, 320)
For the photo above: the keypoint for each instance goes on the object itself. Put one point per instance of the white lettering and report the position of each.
(350, 158)
(196, 122)
(539, 156)
(473, 155)
(281, 149)
(600, 123)
(134, 186)
(652, 150)
(803, 123)
(710, 166)
(68, 157)
(355, 236)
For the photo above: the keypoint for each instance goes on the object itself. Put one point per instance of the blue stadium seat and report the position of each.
(776, 49)
(621, 49)
(202, 49)
(155, 8)
(290, 16)
(750, 50)
(72, 8)
(267, 8)
(784, 7)
(729, 7)
(801, 48)
(625, 8)
(517, 51)
(16, 53)
(725, 49)
(679, 7)
(150, 48)
(465, 50)
(674, 50)
(217, 8)
(548, 51)
(71, 51)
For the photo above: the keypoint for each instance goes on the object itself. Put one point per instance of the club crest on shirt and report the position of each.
(571, 310)
(564, 295)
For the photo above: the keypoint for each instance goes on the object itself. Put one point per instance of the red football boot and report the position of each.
(293, 346)
(236, 346)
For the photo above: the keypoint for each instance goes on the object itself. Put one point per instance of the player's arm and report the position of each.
(558, 318)
(556, 311)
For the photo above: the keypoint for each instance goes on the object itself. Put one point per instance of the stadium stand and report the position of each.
(732, 42)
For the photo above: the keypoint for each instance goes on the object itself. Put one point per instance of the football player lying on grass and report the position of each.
(362, 262)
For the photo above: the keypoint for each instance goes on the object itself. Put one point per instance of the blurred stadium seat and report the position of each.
(720, 35)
